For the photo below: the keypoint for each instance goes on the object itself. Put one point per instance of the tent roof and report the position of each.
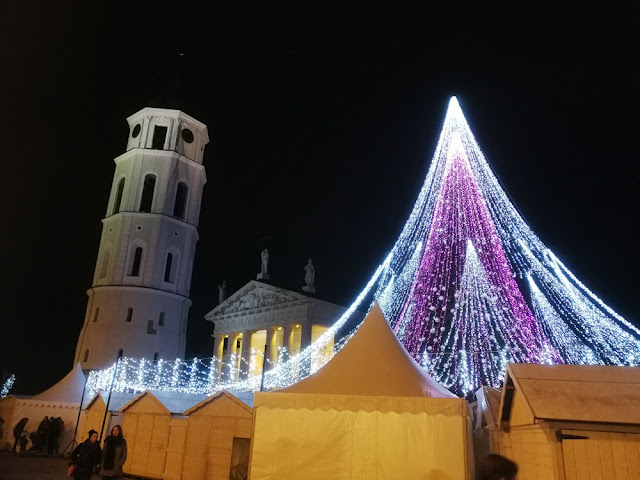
(372, 363)
(69, 389)
(489, 404)
(579, 393)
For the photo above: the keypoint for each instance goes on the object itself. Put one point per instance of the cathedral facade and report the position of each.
(262, 319)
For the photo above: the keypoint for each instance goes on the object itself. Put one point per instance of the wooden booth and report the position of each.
(211, 439)
(570, 422)
(146, 421)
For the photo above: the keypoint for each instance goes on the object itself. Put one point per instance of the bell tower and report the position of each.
(139, 302)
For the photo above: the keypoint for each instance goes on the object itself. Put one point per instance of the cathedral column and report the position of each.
(218, 344)
(245, 356)
(287, 338)
(272, 347)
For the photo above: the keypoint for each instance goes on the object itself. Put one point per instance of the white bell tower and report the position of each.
(139, 302)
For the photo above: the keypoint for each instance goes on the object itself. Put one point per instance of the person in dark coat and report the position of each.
(115, 454)
(497, 467)
(85, 457)
(52, 438)
(17, 432)
(42, 434)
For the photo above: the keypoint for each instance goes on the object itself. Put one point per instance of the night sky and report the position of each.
(322, 123)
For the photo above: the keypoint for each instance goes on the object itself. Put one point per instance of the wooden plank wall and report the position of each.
(175, 449)
(205, 446)
(91, 418)
(530, 447)
(146, 426)
(602, 456)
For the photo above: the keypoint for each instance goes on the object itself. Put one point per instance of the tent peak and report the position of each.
(373, 362)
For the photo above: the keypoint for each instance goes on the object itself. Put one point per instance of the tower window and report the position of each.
(136, 131)
(181, 201)
(167, 268)
(105, 263)
(119, 192)
(225, 343)
(150, 329)
(95, 314)
(137, 260)
(86, 355)
(129, 314)
(161, 319)
(159, 136)
(120, 353)
(187, 135)
(146, 201)
(156, 357)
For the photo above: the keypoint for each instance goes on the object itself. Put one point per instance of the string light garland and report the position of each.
(466, 288)
(6, 386)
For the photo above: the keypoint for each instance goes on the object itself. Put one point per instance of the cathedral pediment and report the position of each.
(253, 297)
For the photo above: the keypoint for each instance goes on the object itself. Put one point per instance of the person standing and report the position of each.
(497, 467)
(115, 454)
(17, 432)
(42, 434)
(85, 457)
(52, 438)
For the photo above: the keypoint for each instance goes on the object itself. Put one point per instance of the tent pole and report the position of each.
(106, 408)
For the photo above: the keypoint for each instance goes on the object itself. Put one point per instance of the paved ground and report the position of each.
(15, 467)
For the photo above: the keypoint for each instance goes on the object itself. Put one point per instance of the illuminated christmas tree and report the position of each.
(466, 288)
(465, 313)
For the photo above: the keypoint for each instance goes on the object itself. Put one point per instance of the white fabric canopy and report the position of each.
(69, 389)
(372, 363)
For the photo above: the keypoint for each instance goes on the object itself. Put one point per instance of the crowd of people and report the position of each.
(44, 440)
(88, 457)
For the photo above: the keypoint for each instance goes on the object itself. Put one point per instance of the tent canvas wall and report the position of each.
(371, 412)
(570, 422)
(213, 439)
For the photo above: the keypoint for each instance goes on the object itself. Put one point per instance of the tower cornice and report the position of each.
(158, 153)
(174, 220)
(136, 288)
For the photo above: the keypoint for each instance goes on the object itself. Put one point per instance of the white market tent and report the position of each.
(569, 422)
(370, 412)
(61, 400)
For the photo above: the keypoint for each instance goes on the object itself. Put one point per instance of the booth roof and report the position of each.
(373, 363)
(69, 389)
(173, 402)
(579, 393)
(116, 402)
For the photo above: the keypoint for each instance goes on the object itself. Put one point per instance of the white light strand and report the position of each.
(6, 386)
